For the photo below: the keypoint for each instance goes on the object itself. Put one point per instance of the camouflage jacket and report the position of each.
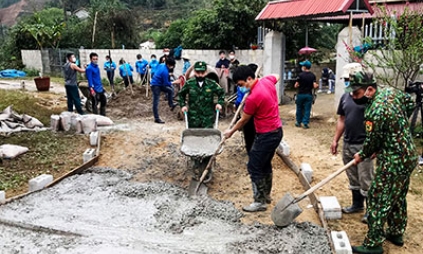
(387, 128)
(201, 102)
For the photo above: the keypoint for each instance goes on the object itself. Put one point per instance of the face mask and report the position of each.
(153, 58)
(231, 57)
(347, 83)
(73, 59)
(200, 79)
(243, 89)
(95, 62)
(363, 100)
(166, 53)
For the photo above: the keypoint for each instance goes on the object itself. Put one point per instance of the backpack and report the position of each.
(177, 52)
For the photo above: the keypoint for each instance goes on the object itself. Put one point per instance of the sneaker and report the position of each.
(329, 92)
(319, 91)
(159, 121)
(255, 207)
(306, 126)
(367, 250)
(395, 239)
(297, 124)
(352, 209)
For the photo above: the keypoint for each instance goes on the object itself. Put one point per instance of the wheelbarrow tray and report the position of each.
(200, 142)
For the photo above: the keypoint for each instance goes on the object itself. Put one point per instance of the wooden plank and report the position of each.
(36, 228)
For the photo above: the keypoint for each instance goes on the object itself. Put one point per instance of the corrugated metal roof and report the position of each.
(290, 9)
(391, 8)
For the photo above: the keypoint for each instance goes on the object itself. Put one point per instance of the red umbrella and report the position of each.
(306, 51)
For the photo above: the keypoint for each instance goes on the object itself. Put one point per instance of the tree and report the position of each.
(398, 60)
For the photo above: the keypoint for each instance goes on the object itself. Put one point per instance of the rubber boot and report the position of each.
(268, 188)
(357, 203)
(367, 250)
(259, 203)
(395, 239)
(366, 214)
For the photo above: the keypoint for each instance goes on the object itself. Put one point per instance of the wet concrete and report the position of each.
(115, 215)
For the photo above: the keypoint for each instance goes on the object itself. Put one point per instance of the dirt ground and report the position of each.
(151, 152)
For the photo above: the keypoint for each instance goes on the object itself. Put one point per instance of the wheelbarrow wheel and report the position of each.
(209, 175)
(89, 105)
(197, 167)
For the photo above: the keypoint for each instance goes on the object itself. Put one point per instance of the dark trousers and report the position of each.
(111, 77)
(261, 154)
(156, 97)
(72, 95)
(249, 134)
(304, 102)
(126, 80)
(99, 97)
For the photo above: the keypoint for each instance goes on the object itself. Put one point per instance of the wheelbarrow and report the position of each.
(85, 90)
(199, 145)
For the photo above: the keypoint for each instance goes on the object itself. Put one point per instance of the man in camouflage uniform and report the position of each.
(201, 92)
(388, 139)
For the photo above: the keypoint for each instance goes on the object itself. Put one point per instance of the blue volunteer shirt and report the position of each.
(187, 64)
(161, 76)
(128, 68)
(141, 66)
(109, 67)
(153, 65)
(93, 76)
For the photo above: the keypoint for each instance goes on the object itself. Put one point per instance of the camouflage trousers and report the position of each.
(386, 202)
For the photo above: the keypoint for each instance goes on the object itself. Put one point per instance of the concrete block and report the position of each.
(307, 171)
(285, 148)
(40, 182)
(2, 196)
(93, 138)
(331, 208)
(88, 154)
(341, 243)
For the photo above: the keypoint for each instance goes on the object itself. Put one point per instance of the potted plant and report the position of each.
(254, 46)
(43, 34)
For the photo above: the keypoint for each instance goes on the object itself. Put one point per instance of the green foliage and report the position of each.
(225, 25)
(399, 58)
(31, 72)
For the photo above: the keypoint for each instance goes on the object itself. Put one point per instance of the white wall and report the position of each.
(32, 59)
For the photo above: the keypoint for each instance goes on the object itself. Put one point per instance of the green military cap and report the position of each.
(359, 80)
(200, 66)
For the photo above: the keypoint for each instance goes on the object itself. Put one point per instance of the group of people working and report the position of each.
(373, 121)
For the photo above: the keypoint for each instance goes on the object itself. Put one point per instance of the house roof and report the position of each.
(391, 8)
(299, 9)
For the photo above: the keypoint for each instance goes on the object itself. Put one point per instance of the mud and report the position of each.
(138, 105)
(116, 215)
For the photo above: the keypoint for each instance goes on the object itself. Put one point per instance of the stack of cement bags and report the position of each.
(80, 124)
(10, 121)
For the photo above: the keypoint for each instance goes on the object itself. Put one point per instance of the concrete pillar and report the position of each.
(343, 58)
(274, 48)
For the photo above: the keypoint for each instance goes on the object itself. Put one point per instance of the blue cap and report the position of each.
(306, 63)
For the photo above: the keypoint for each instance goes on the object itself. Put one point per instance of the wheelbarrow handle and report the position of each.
(216, 123)
(186, 119)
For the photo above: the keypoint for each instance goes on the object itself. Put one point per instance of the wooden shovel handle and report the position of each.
(326, 180)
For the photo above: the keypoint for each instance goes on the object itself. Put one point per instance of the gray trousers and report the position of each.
(360, 176)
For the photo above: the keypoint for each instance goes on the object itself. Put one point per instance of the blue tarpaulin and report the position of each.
(11, 73)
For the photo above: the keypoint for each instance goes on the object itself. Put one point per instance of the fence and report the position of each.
(261, 34)
(379, 32)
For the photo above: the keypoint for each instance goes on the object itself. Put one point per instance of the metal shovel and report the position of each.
(287, 209)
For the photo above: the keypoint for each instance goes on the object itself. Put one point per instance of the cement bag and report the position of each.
(8, 151)
(55, 122)
(102, 120)
(89, 124)
(78, 125)
(65, 120)
(31, 122)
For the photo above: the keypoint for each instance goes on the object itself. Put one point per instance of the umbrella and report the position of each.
(306, 51)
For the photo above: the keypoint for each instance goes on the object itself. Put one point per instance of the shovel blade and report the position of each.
(197, 189)
(285, 211)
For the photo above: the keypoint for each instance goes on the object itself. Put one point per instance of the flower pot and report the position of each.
(42, 83)
(254, 47)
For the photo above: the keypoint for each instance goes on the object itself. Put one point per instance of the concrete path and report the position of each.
(15, 84)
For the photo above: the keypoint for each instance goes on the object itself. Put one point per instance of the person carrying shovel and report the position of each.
(125, 71)
(262, 104)
(388, 138)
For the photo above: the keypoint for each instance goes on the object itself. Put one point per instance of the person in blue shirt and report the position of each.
(110, 67)
(94, 83)
(141, 65)
(153, 64)
(161, 83)
(187, 64)
(125, 71)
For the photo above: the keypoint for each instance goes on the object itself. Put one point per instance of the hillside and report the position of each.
(16, 8)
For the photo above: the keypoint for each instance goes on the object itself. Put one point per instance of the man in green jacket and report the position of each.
(201, 91)
(388, 139)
